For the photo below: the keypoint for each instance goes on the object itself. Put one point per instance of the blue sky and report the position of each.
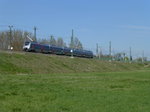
(124, 22)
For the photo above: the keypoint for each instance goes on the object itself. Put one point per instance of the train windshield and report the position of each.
(27, 43)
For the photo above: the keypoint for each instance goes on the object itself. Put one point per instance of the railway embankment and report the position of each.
(36, 63)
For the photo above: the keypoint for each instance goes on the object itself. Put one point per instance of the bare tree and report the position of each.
(18, 37)
(4, 40)
(60, 42)
(17, 40)
(52, 40)
(77, 43)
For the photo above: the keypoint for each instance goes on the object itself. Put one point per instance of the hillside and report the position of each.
(35, 63)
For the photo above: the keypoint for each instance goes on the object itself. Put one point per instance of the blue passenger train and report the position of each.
(42, 48)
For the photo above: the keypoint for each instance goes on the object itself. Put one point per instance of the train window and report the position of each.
(27, 43)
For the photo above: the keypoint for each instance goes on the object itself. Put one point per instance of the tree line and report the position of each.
(16, 39)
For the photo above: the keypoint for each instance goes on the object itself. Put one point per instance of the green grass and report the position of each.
(34, 63)
(31, 82)
(82, 92)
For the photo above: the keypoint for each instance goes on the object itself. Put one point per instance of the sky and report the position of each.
(126, 23)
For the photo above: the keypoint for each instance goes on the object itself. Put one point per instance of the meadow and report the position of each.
(76, 92)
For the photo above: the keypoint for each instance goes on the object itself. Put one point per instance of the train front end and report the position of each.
(26, 46)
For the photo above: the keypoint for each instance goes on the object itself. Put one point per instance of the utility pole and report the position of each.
(143, 56)
(113, 53)
(10, 31)
(97, 50)
(72, 33)
(100, 51)
(72, 39)
(130, 54)
(110, 50)
(35, 28)
(72, 43)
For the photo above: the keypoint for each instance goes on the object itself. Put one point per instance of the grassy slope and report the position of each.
(41, 63)
(90, 92)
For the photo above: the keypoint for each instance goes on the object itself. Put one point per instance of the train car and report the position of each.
(88, 54)
(26, 46)
(77, 52)
(45, 48)
(67, 51)
(82, 53)
(56, 50)
(36, 47)
(41, 48)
